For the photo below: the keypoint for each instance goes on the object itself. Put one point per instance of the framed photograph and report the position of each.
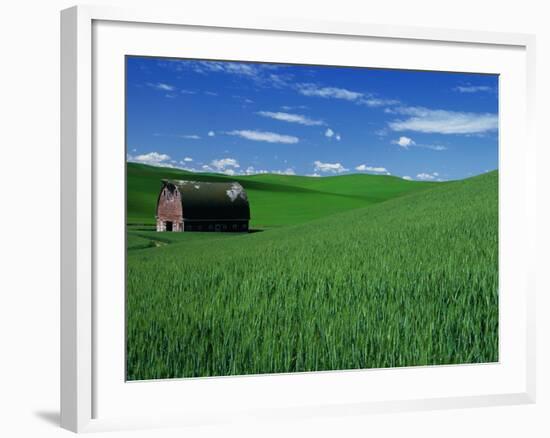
(283, 218)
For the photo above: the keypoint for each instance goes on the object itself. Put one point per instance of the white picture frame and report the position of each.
(87, 378)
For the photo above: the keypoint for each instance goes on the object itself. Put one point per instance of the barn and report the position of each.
(202, 206)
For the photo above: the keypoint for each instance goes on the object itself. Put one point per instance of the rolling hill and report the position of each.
(275, 200)
(409, 281)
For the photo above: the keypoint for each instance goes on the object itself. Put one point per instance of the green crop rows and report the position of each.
(350, 272)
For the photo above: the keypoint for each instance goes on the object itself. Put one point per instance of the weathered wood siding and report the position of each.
(169, 210)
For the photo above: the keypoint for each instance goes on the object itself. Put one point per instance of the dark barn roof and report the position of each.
(211, 200)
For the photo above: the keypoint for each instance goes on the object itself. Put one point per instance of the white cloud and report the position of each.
(329, 133)
(337, 137)
(152, 158)
(291, 118)
(377, 102)
(188, 159)
(288, 171)
(224, 163)
(472, 88)
(211, 133)
(443, 122)
(404, 142)
(190, 136)
(161, 86)
(427, 176)
(223, 67)
(329, 167)
(309, 89)
(408, 178)
(261, 74)
(250, 170)
(269, 137)
(365, 168)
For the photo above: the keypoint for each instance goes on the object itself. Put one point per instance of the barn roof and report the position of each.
(211, 200)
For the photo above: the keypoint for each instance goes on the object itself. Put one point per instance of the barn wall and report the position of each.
(169, 210)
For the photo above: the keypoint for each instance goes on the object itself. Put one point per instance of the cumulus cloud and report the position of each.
(329, 167)
(250, 170)
(269, 137)
(291, 118)
(427, 120)
(224, 163)
(404, 142)
(152, 158)
(330, 134)
(211, 133)
(427, 176)
(366, 168)
(190, 136)
(188, 159)
(408, 178)
(288, 171)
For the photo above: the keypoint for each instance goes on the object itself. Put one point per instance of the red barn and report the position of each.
(202, 206)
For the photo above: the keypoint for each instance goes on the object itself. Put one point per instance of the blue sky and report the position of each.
(249, 118)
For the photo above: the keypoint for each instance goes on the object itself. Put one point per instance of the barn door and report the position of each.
(169, 226)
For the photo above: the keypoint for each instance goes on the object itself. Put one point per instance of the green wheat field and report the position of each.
(348, 272)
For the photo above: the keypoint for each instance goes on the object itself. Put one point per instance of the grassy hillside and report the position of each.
(409, 281)
(275, 200)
